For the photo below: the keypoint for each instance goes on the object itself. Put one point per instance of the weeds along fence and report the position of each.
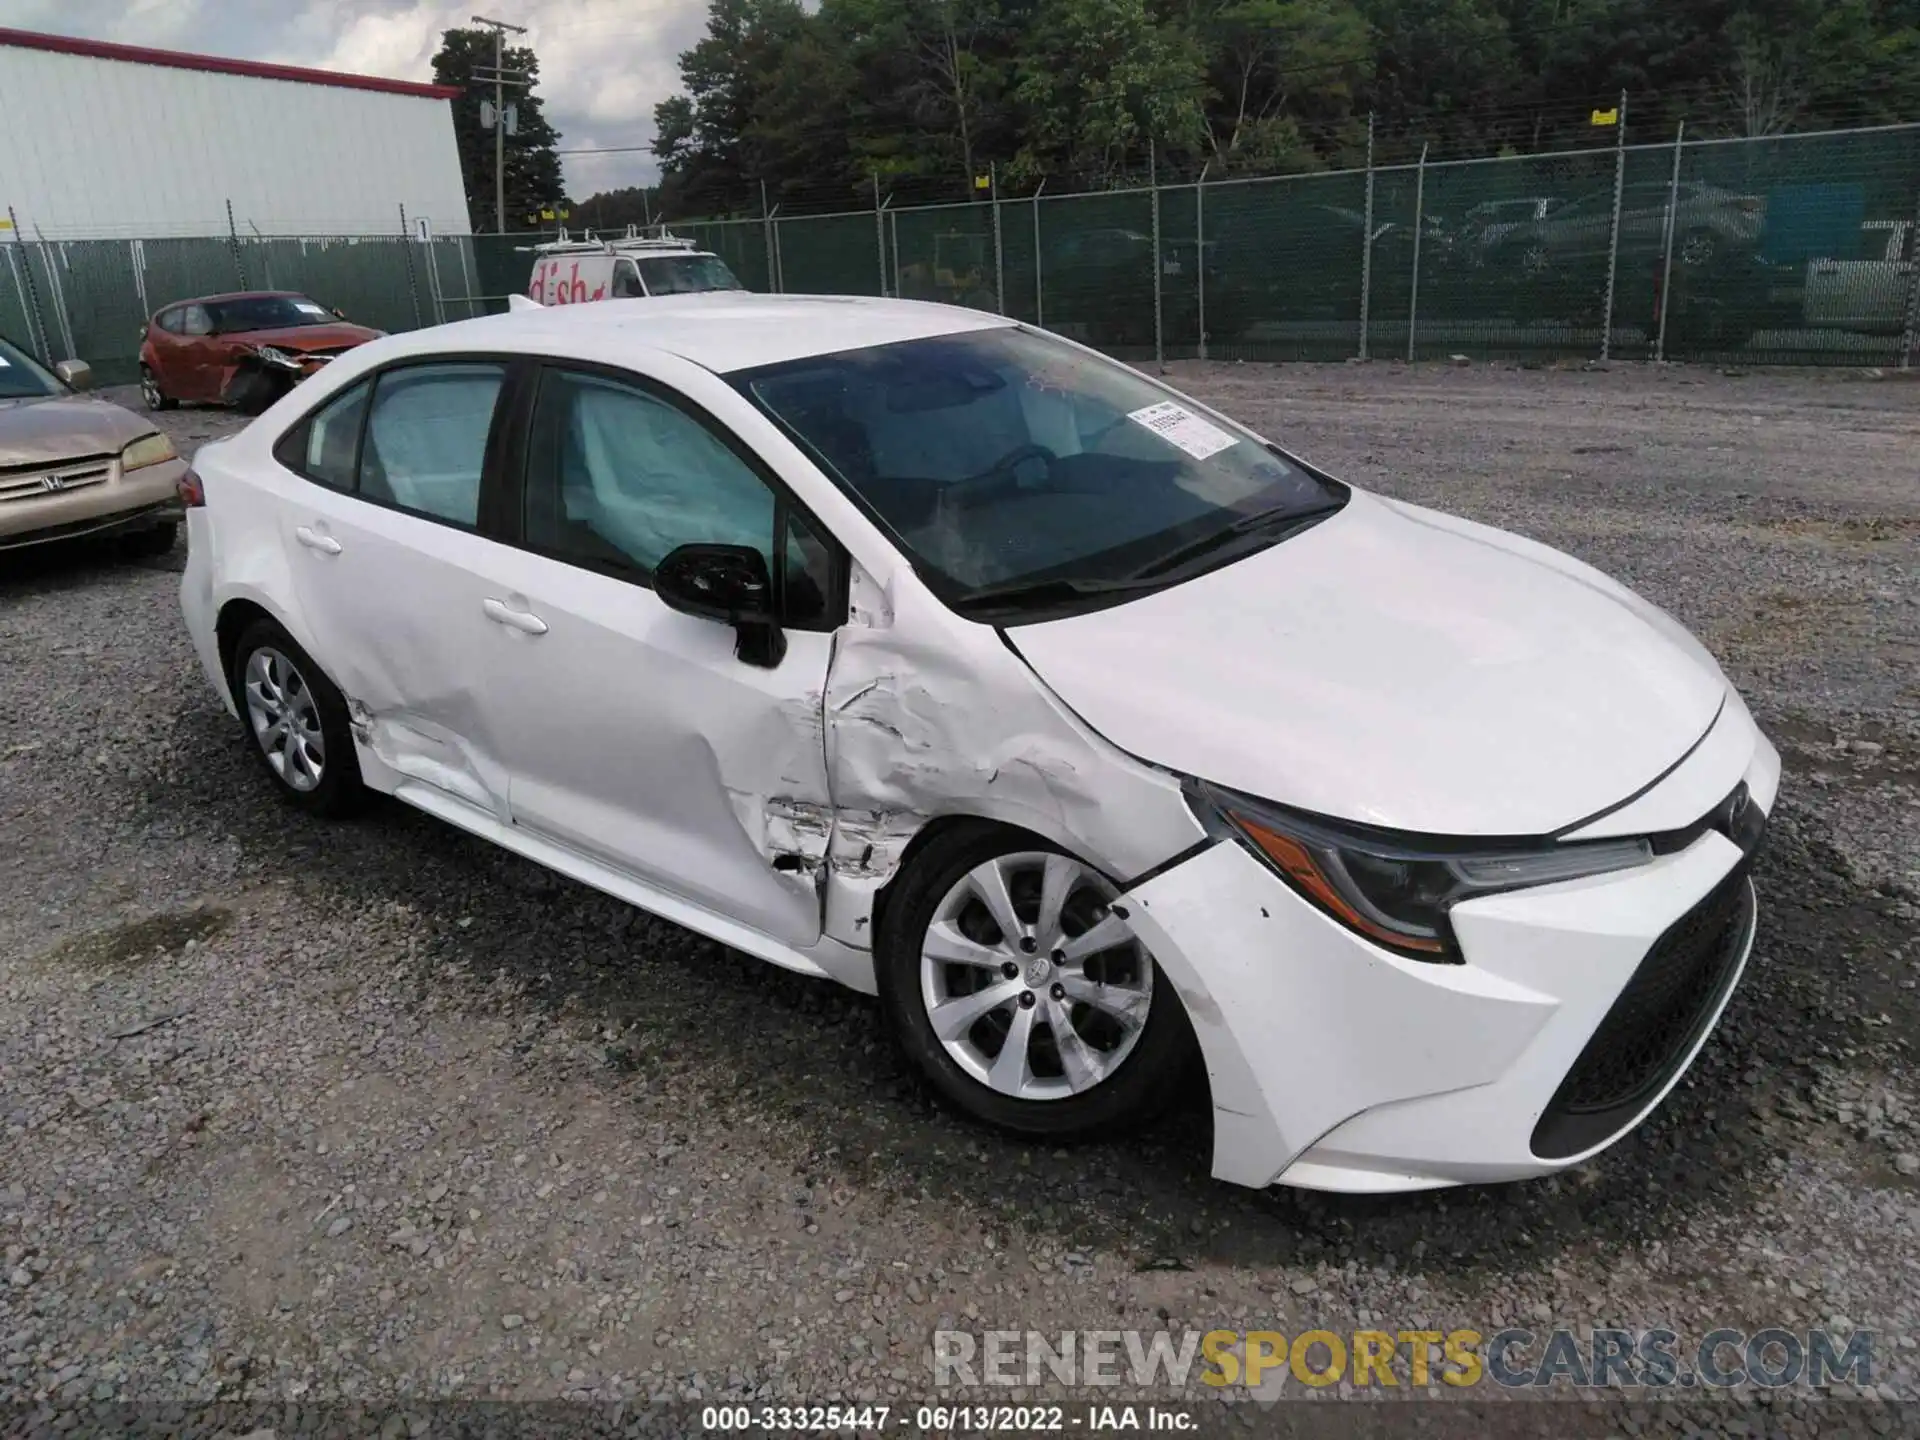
(1793, 249)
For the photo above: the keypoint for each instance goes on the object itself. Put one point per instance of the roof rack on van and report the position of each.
(654, 237)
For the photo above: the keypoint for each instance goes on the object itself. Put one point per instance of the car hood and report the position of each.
(306, 337)
(64, 427)
(1397, 667)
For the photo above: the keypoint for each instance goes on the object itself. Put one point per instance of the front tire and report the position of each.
(295, 722)
(1019, 994)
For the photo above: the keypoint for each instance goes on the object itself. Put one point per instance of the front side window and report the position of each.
(1003, 458)
(426, 438)
(617, 477)
(686, 274)
(24, 378)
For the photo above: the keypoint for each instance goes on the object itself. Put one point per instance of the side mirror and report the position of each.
(728, 583)
(338, 313)
(77, 374)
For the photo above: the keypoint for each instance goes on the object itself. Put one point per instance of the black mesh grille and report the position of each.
(1652, 1025)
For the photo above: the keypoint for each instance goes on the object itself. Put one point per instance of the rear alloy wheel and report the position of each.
(1022, 995)
(151, 393)
(296, 722)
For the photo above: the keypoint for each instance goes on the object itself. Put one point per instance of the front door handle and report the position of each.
(519, 619)
(314, 540)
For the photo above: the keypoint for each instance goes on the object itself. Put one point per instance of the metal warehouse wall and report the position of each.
(94, 148)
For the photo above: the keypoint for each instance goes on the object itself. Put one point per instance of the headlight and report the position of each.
(1397, 890)
(273, 356)
(147, 450)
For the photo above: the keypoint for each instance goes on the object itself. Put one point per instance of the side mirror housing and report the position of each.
(338, 313)
(77, 374)
(728, 583)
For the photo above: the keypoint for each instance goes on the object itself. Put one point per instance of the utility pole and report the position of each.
(501, 79)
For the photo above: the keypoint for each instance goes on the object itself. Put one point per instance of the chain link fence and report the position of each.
(1794, 249)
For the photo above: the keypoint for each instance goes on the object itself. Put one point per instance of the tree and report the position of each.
(701, 138)
(923, 95)
(532, 168)
(1764, 81)
(1272, 60)
(1100, 82)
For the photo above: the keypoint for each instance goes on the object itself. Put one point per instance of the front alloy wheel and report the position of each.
(1021, 993)
(1032, 984)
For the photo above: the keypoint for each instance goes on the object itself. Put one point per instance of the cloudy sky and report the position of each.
(604, 64)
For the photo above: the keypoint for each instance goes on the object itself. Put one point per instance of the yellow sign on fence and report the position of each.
(1607, 117)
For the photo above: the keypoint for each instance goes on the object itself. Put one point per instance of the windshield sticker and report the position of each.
(307, 307)
(1179, 426)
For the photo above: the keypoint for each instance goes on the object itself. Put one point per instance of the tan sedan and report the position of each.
(74, 465)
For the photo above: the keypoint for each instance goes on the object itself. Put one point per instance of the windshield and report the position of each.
(1003, 459)
(686, 274)
(24, 378)
(266, 312)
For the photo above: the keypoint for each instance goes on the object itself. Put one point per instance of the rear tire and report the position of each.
(295, 722)
(152, 394)
(1127, 1042)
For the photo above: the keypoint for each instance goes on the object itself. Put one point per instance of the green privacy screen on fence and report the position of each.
(1797, 249)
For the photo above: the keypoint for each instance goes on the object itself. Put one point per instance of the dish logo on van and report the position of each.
(552, 287)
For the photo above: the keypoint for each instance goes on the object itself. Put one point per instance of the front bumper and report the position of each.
(1336, 1065)
(123, 502)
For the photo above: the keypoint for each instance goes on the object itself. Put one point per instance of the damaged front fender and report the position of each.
(929, 716)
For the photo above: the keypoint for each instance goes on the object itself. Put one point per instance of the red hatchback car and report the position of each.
(245, 350)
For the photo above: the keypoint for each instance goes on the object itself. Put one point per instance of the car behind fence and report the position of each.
(1792, 249)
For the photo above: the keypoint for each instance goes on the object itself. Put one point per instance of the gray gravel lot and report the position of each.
(409, 1117)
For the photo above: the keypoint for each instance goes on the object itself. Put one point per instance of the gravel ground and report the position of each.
(296, 1111)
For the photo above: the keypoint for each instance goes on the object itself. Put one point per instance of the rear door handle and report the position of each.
(519, 619)
(314, 540)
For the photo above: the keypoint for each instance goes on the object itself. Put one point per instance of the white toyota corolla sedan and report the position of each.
(930, 653)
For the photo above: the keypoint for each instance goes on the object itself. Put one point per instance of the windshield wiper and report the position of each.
(1017, 594)
(1246, 525)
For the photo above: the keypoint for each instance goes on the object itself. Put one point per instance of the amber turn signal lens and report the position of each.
(1296, 862)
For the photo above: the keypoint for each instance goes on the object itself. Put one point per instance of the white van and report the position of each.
(569, 272)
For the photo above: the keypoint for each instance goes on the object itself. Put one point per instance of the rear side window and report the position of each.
(332, 448)
(426, 438)
(325, 447)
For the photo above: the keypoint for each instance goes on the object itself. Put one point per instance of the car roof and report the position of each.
(722, 330)
(238, 295)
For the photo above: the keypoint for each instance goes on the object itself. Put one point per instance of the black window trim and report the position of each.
(508, 519)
